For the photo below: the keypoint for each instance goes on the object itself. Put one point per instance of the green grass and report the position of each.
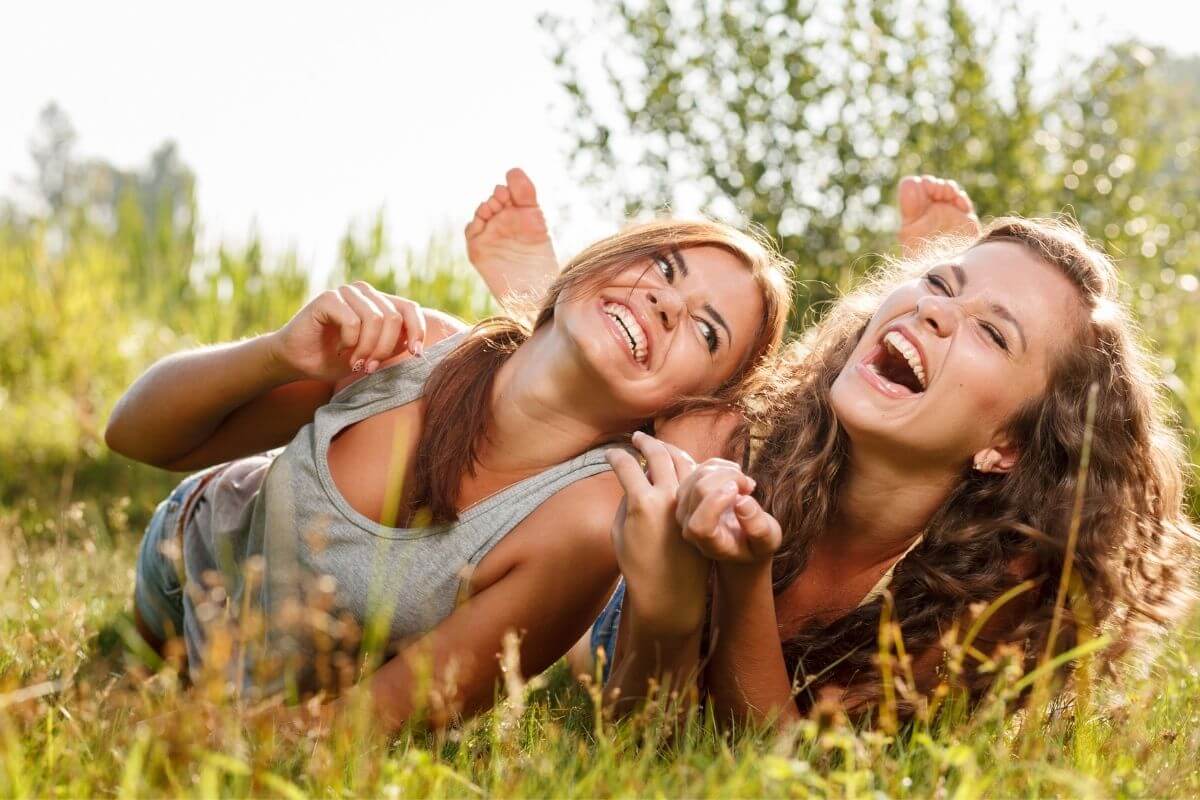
(113, 731)
(77, 718)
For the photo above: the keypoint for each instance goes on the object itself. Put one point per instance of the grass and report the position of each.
(111, 730)
(79, 718)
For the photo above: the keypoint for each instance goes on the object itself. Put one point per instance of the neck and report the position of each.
(547, 406)
(883, 508)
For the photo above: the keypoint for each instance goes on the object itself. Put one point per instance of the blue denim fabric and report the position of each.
(158, 592)
(604, 629)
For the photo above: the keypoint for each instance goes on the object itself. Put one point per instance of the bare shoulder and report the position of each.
(568, 536)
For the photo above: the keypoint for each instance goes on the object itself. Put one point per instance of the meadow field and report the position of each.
(101, 274)
(79, 716)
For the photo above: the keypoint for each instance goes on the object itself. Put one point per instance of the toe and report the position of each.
(474, 228)
(495, 205)
(483, 212)
(521, 188)
(503, 195)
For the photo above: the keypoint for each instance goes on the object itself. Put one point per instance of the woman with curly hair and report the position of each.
(925, 450)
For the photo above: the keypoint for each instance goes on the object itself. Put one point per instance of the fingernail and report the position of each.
(358, 365)
(753, 484)
(372, 365)
(418, 348)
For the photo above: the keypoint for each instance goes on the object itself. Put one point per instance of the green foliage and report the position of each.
(802, 116)
(99, 277)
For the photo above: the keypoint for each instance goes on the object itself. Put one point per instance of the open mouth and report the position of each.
(898, 362)
(627, 323)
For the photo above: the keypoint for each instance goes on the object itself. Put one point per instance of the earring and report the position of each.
(981, 463)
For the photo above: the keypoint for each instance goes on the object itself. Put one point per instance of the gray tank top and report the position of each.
(272, 535)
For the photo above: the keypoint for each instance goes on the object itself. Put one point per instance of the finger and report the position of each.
(684, 463)
(662, 468)
(331, 309)
(763, 534)
(414, 323)
(371, 319)
(709, 476)
(701, 526)
(389, 330)
(628, 471)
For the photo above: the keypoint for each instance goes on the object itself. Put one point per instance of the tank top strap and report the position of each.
(503, 511)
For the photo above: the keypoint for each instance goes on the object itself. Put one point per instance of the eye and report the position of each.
(666, 268)
(938, 283)
(709, 333)
(997, 337)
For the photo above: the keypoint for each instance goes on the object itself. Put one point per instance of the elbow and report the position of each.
(114, 438)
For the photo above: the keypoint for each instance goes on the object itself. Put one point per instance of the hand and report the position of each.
(717, 515)
(350, 329)
(666, 581)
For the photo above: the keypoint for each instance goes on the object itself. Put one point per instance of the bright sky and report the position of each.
(299, 118)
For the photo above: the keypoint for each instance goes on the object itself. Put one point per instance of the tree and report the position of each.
(801, 118)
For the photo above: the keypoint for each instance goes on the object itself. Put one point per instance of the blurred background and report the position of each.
(172, 176)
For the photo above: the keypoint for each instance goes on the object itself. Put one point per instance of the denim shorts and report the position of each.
(604, 629)
(158, 591)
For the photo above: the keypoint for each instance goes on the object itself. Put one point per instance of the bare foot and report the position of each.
(508, 243)
(931, 207)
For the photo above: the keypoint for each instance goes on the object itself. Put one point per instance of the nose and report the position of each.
(667, 304)
(938, 314)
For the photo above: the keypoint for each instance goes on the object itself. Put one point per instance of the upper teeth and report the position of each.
(633, 331)
(898, 344)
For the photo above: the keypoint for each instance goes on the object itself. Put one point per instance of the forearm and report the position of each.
(180, 401)
(649, 656)
(746, 675)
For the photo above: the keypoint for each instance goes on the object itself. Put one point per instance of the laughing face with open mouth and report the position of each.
(950, 356)
(679, 322)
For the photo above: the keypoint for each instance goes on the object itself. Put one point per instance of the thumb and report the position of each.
(762, 531)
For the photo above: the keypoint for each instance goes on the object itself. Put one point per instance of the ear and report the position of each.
(998, 459)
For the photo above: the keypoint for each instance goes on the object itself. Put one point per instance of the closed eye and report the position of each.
(997, 337)
(939, 283)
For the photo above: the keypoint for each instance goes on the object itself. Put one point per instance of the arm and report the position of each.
(548, 606)
(213, 404)
(658, 640)
(746, 675)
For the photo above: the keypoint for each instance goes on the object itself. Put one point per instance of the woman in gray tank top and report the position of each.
(426, 502)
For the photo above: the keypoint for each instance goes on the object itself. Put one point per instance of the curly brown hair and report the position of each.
(994, 531)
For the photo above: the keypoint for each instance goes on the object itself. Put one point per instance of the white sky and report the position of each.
(299, 118)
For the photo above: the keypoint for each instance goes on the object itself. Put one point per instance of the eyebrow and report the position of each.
(960, 275)
(677, 257)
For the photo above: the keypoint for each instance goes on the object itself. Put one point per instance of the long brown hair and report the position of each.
(994, 531)
(458, 391)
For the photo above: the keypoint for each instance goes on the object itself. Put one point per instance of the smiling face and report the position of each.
(676, 324)
(950, 357)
